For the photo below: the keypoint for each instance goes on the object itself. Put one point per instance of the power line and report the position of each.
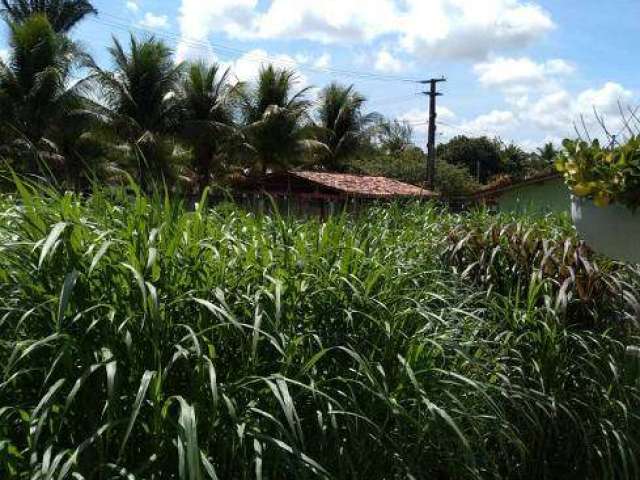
(373, 103)
(390, 100)
(227, 53)
(248, 55)
(467, 130)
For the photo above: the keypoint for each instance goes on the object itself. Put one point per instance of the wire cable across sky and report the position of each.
(230, 53)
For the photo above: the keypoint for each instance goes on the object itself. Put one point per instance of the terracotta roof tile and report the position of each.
(360, 185)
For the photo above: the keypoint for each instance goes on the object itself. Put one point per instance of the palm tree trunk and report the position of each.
(204, 156)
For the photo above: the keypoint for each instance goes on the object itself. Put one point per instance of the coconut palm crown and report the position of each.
(39, 95)
(139, 100)
(62, 14)
(342, 125)
(278, 127)
(208, 122)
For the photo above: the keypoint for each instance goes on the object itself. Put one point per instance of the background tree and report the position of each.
(454, 180)
(410, 165)
(407, 166)
(395, 136)
(515, 162)
(276, 121)
(547, 153)
(140, 102)
(342, 126)
(481, 155)
(62, 14)
(38, 102)
(208, 120)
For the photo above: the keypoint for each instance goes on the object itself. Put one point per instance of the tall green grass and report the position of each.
(144, 341)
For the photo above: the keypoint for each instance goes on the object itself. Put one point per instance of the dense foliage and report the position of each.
(481, 156)
(410, 164)
(486, 158)
(144, 341)
(603, 175)
(37, 103)
(62, 14)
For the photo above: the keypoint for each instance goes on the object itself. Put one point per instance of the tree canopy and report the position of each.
(62, 14)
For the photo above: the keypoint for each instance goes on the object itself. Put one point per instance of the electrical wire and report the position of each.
(230, 53)
(248, 55)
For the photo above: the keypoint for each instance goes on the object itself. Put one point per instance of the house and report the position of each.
(324, 192)
(544, 193)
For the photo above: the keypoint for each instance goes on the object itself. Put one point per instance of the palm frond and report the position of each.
(62, 14)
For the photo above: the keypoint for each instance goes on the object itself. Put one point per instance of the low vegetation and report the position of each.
(144, 341)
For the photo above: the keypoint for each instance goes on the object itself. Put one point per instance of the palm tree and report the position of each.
(38, 101)
(140, 102)
(62, 14)
(207, 117)
(342, 126)
(395, 136)
(514, 160)
(548, 153)
(277, 123)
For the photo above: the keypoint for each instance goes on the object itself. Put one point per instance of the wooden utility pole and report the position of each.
(433, 115)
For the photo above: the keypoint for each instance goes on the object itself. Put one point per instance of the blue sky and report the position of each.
(522, 70)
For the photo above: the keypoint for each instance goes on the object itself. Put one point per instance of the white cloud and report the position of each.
(559, 66)
(151, 20)
(435, 28)
(323, 61)
(520, 72)
(557, 112)
(605, 99)
(470, 28)
(199, 18)
(327, 21)
(552, 112)
(132, 6)
(387, 62)
(539, 117)
(246, 67)
(491, 124)
(518, 99)
(551, 116)
(4, 55)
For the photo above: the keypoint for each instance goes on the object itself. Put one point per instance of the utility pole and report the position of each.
(433, 115)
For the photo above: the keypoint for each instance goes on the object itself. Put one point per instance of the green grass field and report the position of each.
(143, 341)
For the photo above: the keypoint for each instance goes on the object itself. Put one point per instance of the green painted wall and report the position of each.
(548, 197)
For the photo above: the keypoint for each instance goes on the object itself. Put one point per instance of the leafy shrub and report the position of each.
(602, 175)
(454, 179)
(514, 257)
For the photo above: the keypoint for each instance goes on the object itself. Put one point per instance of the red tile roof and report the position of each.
(364, 186)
